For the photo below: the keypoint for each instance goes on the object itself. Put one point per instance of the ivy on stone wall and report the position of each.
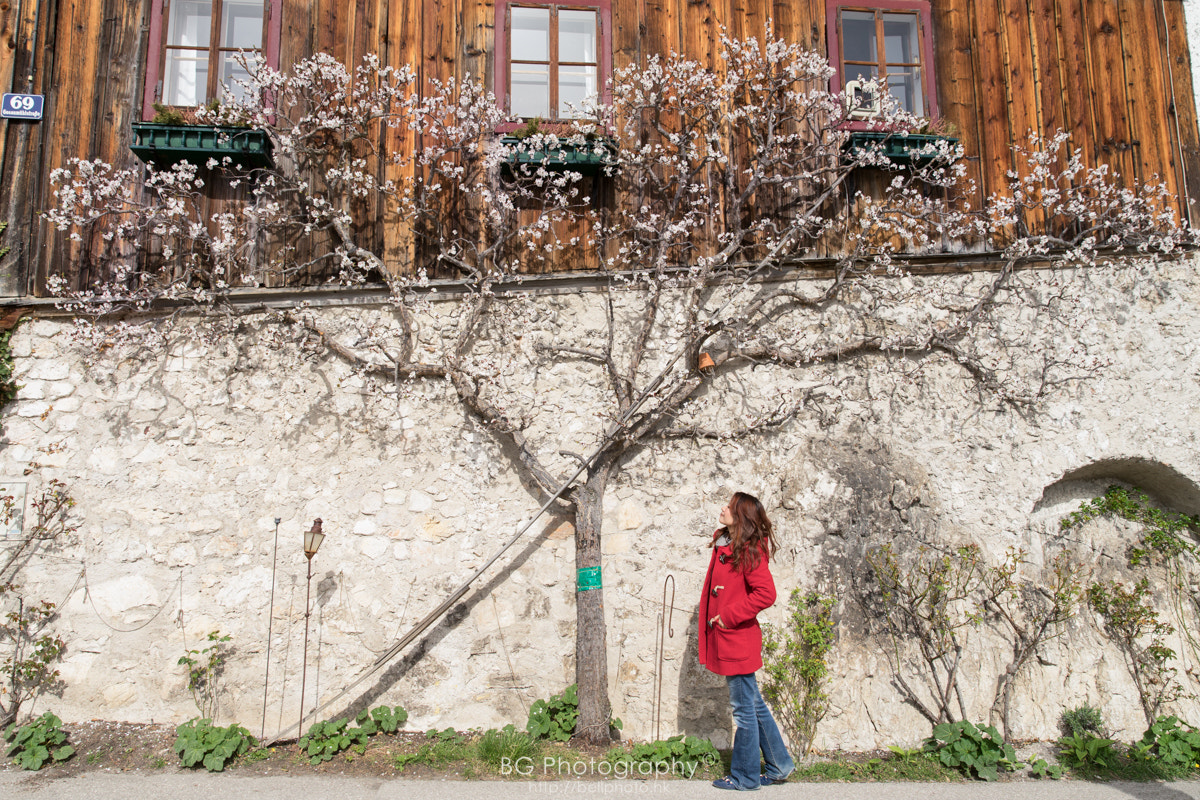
(8, 386)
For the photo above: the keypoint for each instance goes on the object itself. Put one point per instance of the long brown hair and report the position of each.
(751, 535)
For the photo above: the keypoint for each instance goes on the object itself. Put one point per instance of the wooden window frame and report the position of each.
(156, 52)
(603, 50)
(833, 9)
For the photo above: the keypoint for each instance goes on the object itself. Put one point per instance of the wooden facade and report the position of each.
(1115, 73)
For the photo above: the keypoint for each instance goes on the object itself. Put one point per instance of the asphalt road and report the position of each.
(203, 786)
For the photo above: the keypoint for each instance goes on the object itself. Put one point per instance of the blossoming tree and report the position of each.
(714, 186)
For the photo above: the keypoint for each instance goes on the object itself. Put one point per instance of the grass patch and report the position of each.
(497, 747)
(1126, 769)
(902, 766)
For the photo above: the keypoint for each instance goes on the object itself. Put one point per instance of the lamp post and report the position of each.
(312, 543)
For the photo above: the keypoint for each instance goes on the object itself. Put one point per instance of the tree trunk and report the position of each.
(591, 651)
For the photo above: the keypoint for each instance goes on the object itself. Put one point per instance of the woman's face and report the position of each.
(726, 518)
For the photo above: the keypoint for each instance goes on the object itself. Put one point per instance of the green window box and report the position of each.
(169, 144)
(900, 148)
(581, 158)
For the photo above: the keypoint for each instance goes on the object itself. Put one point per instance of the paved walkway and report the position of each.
(202, 786)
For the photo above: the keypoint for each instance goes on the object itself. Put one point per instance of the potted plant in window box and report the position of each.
(175, 135)
(558, 146)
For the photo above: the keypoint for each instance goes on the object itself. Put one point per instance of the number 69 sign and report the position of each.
(21, 106)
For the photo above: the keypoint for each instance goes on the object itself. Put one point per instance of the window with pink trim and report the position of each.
(552, 59)
(888, 41)
(194, 47)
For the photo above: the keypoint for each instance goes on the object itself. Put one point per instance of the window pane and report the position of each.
(190, 24)
(576, 86)
(858, 72)
(232, 71)
(577, 36)
(185, 79)
(242, 24)
(901, 38)
(858, 36)
(529, 94)
(530, 34)
(906, 88)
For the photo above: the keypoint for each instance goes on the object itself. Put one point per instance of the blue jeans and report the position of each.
(756, 731)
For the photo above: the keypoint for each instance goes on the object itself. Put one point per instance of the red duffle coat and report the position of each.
(737, 596)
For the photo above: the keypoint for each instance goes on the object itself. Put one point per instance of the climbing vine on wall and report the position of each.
(1127, 610)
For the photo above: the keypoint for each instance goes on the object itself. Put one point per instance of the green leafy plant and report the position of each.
(1171, 743)
(554, 719)
(531, 128)
(1087, 752)
(165, 115)
(205, 665)
(42, 740)
(1129, 619)
(668, 755)
(402, 760)
(199, 742)
(906, 754)
(507, 743)
(971, 749)
(324, 740)
(381, 719)
(795, 668)
(1081, 720)
(1038, 768)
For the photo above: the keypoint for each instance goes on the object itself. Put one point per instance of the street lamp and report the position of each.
(312, 543)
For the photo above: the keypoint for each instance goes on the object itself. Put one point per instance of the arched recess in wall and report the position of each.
(1166, 485)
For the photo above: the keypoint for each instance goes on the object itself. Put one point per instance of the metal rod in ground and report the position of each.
(665, 627)
(304, 667)
(270, 620)
(437, 613)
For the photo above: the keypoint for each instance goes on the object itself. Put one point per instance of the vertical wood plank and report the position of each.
(1141, 38)
(298, 26)
(1047, 66)
(995, 133)
(1019, 71)
(403, 39)
(1108, 85)
(661, 36)
(120, 71)
(627, 28)
(956, 84)
(11, 49)
(22, 150)
(1074, 56)
(477, 20)
(1183, 105)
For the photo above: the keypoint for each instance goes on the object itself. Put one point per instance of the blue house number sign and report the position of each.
(21, 106)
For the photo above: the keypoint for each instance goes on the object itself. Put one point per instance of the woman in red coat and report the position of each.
(738, 586)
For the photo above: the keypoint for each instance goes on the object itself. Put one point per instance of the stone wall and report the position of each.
(181, 462)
